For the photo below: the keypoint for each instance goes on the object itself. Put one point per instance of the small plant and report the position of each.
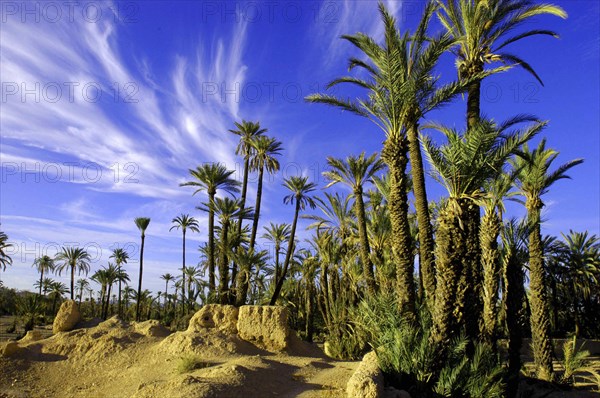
(190, 363)
(575, 363)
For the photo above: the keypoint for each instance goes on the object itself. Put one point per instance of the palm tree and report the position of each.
(168, 278)
(193, 277)
(533, 181)
(82, 284)
(43, 265)
(402, 89)
(141, 223)
(210, 178)
(481, 30)
(185, 222)
(300, 188)
(120, 256)
(277, 234)
(355, 172)
(265, 150)
(247, 258)
(5, 259)
(57, 289)
(463, 166)
(74, 258)
(227, 210)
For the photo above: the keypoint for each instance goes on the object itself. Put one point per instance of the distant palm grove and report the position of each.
(445, 291)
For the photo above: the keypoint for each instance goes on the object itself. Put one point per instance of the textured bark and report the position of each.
(474, 97)
(426, 246)
(394, 154)
(224, 266)
(211, 244)
(515, 292)
(490, 259)
(183, 277)
(540, 313)
(449, 291)
(139, 292)
(473, 302)
(365, 250)
(257, 208)
(72, 280)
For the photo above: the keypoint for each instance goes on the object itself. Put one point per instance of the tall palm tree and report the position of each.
(120, 256)
(210, 178)
(300, 189)
(168, 278)
(82, 284)
(463, 166)
(277, 234)
(402, 89)
(142, 224)
(74, 258)
(43, 265)
(247, 258)
(5, 259)
(227, 210)
(185, 222)
(534, 179)
(482, 30)
(193, 278)
(57, 290)
(265, 150)
(355, 172)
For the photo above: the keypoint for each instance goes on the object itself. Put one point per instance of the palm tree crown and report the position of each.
(75, 258)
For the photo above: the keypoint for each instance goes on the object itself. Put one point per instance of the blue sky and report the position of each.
(105, 106)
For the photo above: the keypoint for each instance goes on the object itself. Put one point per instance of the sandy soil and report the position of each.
(114, 359)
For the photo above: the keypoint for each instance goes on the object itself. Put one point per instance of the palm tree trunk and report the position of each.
(183, 277)
(490, 258)
(166, 296)
(72, 280)
(288, 256)
(426, 246)
(365, 250)
(540, 322)
(472, 285)
(119, 312)
(211, 245)
(107, 302)
(257, 208)
(309, 312)
(234, 267)
(223, 271)
(277, 249)
(450, 249)
(139, 292)
(474, 98)
(41, 278)
(515, 293)
(394, 154)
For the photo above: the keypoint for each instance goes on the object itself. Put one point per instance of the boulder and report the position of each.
(151, 328)
(32, 335)
(9, 349)
(367, 380)
(223, 318)
(264, 326)
(67, 317)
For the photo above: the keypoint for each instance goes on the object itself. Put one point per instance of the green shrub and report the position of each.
(575, 362)
(190, 363)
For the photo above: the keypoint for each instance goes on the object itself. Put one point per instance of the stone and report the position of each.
(264, 326)
(367, 381)
(151, 328)
(32, 335)
(9, 349)
(68, 316)
(223, 318)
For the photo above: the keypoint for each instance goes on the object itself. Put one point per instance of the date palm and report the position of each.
(402, 89)
(185, 222)
(227, 210)
(43, 265)
(120, 256)
(463, 165)
(82, 284)
(211, 178)
(142, 224)
(265, 150)
(534, 179)
(355, 172)
(5, 259)
(300, 189)
(56, 290)
(482, 30)
(168, 278)
(277, 234)
(74, 258)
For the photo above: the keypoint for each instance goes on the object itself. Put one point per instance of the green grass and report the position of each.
(190, 363)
